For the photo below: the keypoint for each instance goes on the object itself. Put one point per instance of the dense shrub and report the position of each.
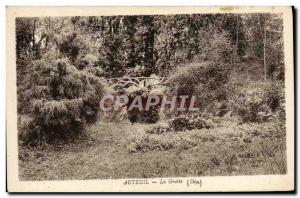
(81, 50)
(187, 122)
(205, 80)
(143, 116)
(256, 102)
(181, 123)
(25, 123)
(59, 95)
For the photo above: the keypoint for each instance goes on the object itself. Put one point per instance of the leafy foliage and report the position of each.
(259, 102)
(60, 96)
(181, 123)
(188, 122)
(205, 80)
(61, 60)
(137, 115)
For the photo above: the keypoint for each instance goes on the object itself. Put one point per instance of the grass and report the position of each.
(122, 150)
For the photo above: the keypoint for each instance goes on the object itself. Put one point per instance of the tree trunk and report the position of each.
(149, 46)
(33, 35)
(265, 42)
(237, 40)
(130, 22)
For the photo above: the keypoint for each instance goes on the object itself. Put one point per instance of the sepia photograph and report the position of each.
(152, 99)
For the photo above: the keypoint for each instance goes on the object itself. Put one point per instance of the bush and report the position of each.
(143, 116)
(25, 124)
(59, 95)
(205, 80)
(257, 102)
(181, 123)
(187, 122)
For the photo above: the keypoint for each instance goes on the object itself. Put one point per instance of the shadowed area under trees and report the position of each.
(232, 63)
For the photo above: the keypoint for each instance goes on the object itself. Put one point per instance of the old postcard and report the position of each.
(150, 99)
